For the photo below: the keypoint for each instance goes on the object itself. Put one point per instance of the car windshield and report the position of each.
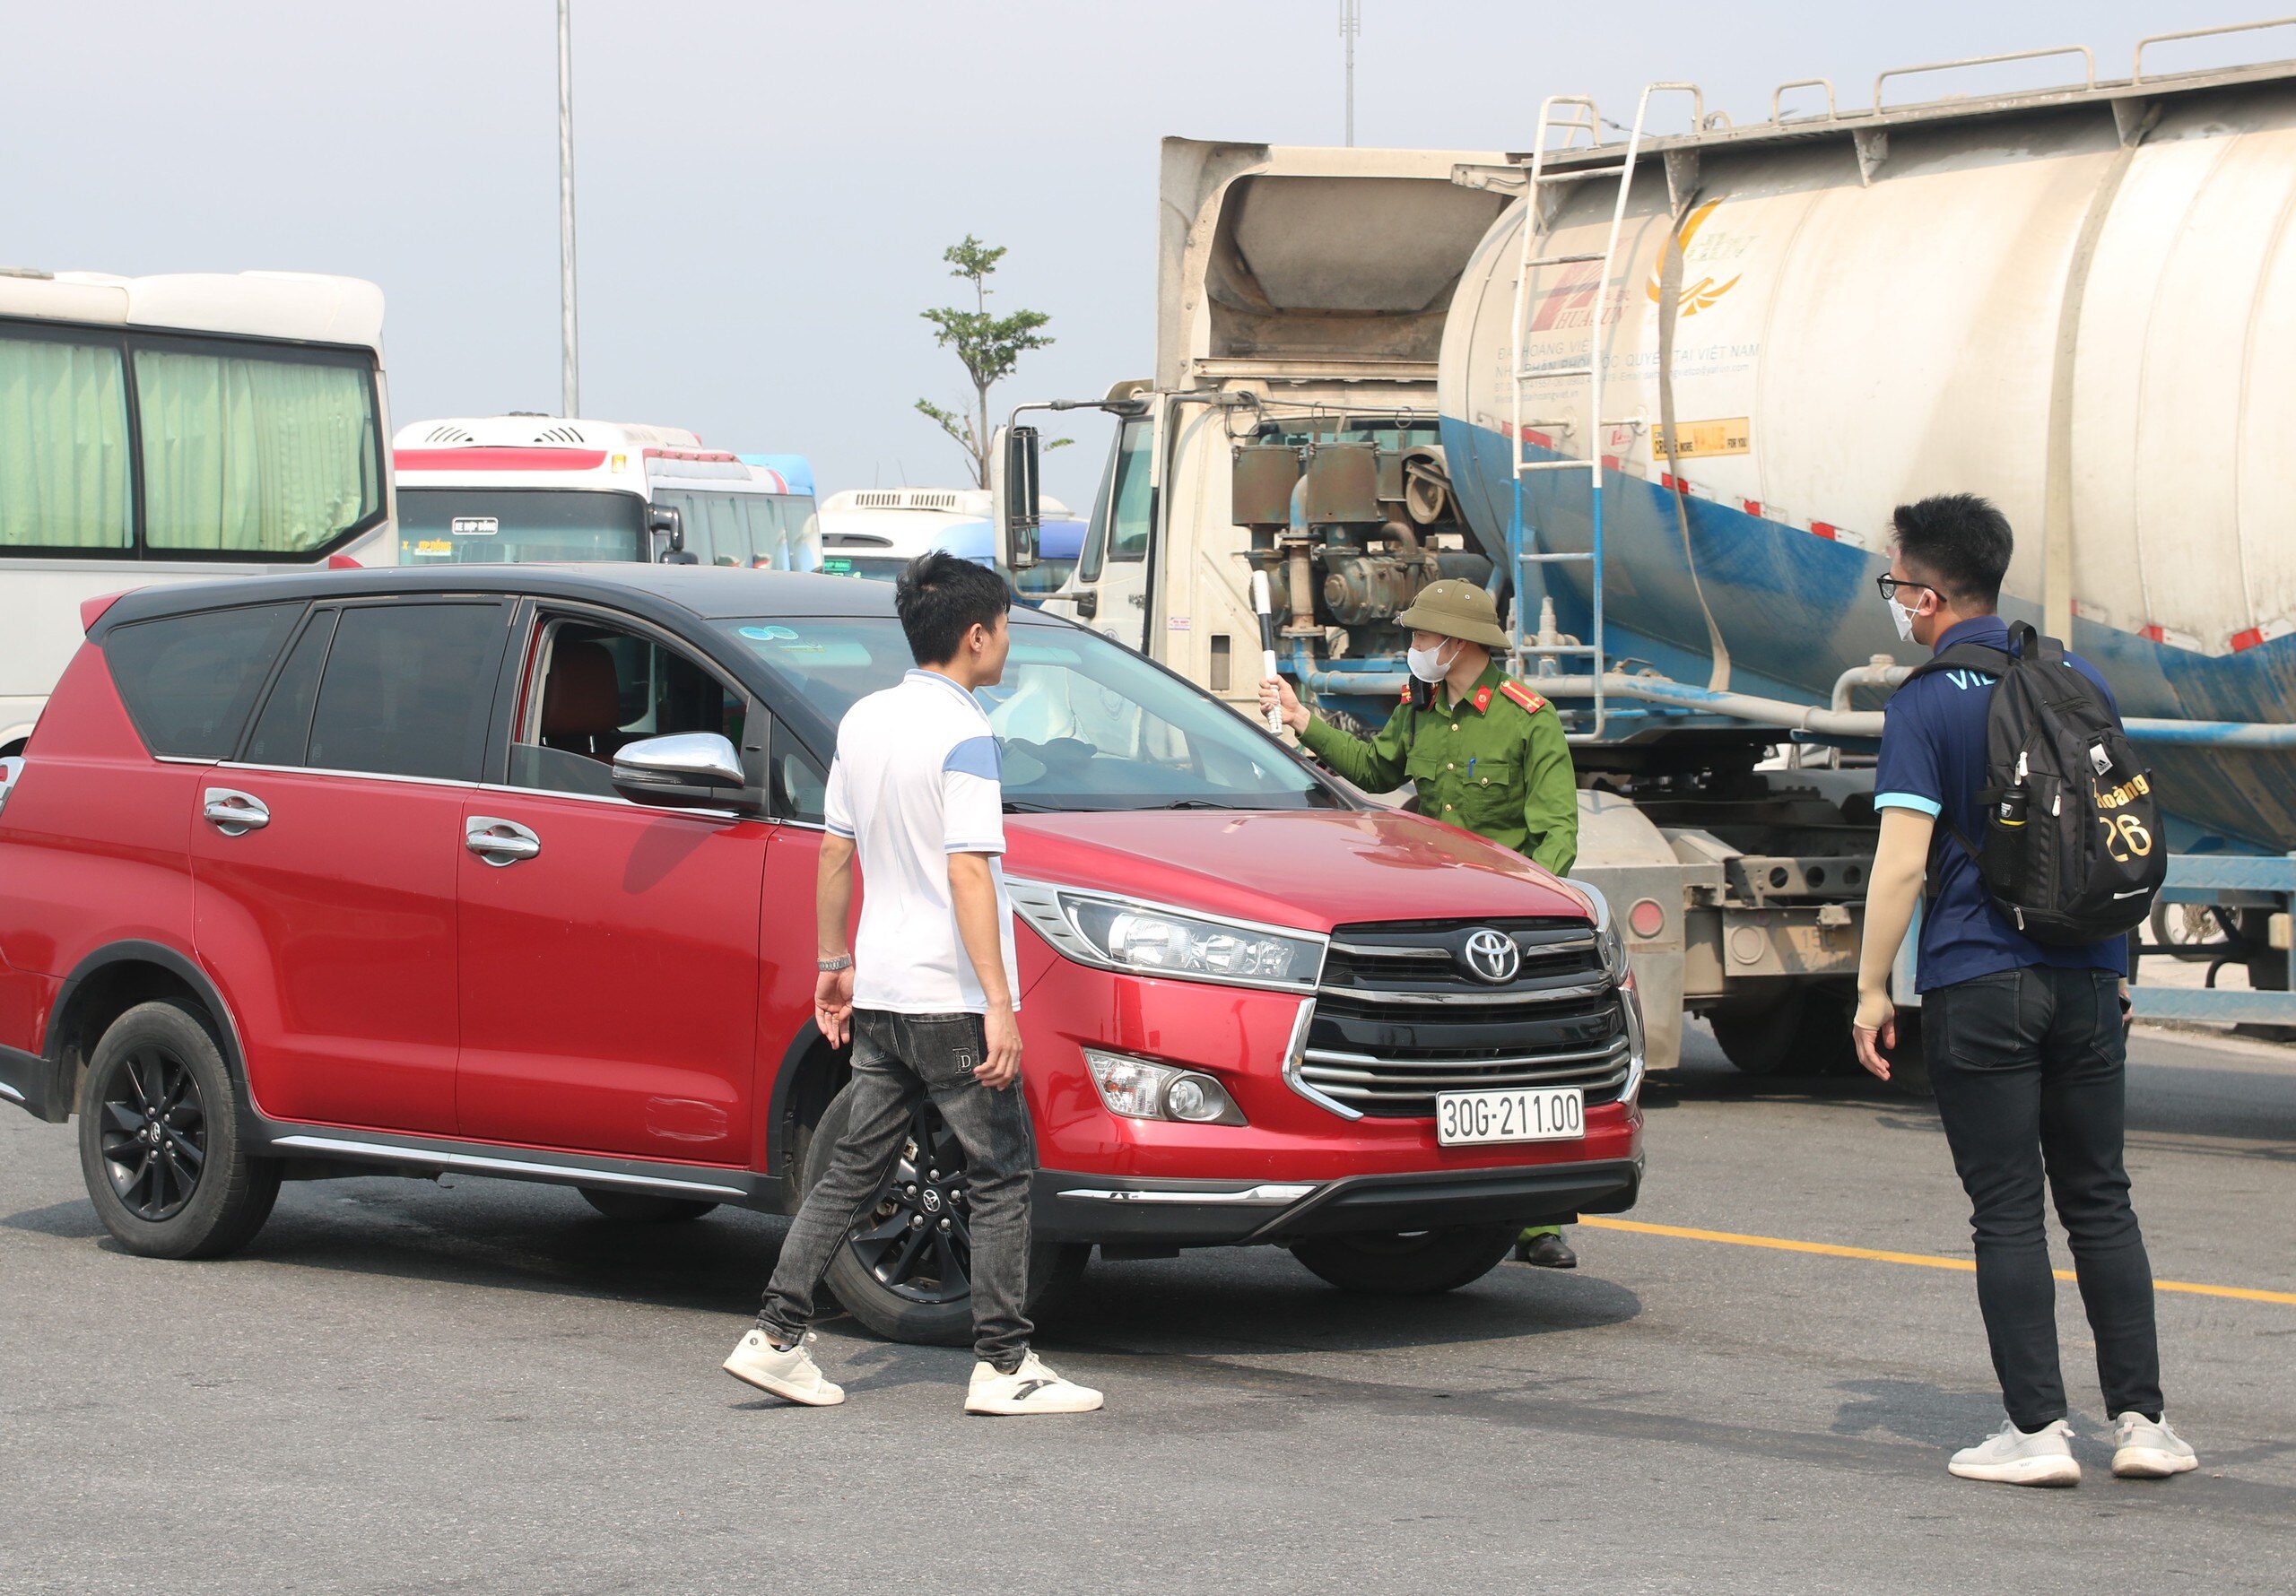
(1084, 724)
(510, 526)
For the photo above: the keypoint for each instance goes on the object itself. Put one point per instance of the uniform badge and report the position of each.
(1523, 696)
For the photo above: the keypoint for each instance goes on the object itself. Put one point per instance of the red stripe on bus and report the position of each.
(499, 459)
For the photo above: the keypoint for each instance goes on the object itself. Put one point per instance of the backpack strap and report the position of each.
(1964, 657)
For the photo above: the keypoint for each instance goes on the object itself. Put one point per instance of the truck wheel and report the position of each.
(160, 1144)
(1805, 1032)
(1409, 1262)
(900, 1273)
(641, 1208)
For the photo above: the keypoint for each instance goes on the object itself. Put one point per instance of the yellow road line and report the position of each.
(1919, 1260)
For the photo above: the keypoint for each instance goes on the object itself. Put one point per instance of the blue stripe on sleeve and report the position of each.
(1913, 801)
(977, 756)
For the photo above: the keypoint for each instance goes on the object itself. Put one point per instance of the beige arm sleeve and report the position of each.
(1901, 859)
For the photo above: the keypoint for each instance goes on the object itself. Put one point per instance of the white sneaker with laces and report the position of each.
(2144, 1450)
(2012, 1456)
(789, 1372)
(1031, 1388)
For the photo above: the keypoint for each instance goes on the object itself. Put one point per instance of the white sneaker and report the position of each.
(2143, 1450)
(2011, 1456)
(1031, 1388)
(790, 1373)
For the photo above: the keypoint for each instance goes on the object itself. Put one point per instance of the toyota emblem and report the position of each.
(1492, 956)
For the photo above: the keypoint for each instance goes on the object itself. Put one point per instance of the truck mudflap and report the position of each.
(1127, 1212)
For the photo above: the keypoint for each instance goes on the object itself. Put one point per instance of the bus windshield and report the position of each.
(1084, 724)
(514, 526)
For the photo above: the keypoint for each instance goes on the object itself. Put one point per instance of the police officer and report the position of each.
(1485, 753)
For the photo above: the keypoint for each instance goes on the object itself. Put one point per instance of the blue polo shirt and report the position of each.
(1933, 761)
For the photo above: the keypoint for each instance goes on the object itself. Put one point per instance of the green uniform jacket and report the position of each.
(1486, 764)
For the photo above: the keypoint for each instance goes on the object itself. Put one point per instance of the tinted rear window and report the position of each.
(189, 680)
(407, 689)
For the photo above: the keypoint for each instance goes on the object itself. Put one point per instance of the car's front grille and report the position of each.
(1400, 1016)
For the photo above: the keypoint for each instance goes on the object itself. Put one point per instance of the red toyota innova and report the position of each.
(511, 870)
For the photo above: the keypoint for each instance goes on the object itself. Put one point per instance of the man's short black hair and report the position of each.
(1961, 543)
(940, 598)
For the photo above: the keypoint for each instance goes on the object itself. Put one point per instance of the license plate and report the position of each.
(1542, 1114)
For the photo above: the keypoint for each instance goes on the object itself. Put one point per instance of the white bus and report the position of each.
(874, 532)
(163, 428)
(500, 490)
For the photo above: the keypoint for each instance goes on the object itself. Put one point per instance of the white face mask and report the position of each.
(1427, 664)
(1904, 618)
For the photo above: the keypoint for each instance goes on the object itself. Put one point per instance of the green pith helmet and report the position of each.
(1453, 608)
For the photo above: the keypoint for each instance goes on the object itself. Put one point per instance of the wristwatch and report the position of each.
(830, 967)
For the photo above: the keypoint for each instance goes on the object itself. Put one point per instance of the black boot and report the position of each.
(1545, 1250)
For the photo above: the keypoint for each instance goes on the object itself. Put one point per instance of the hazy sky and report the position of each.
(765, 189)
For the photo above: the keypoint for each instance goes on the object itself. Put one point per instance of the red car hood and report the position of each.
(1312, 869)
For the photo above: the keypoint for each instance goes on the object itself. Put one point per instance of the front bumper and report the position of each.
(1131, 1211)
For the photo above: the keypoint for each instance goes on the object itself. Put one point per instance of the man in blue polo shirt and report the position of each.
(2025, 1042)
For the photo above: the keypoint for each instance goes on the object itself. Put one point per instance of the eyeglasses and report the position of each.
(1890, 586)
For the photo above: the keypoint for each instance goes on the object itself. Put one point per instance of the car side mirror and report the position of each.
(665, 520)
(1088, 603)
(692, 770)
(1021, 499)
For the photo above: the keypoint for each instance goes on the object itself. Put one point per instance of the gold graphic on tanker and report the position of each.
(1703, 293)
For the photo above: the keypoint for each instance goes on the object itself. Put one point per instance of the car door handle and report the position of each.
(499, 842)
(232, 812)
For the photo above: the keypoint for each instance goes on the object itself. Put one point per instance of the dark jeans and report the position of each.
(897, 1059)
(2029, 1066)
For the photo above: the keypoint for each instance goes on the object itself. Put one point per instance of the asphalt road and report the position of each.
(487, 1388)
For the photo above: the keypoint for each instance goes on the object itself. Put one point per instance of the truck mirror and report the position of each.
(664, 521)
(1020, 498)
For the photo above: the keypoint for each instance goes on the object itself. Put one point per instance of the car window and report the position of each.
(189, 680)
(800, 785)
(284, 727)
(599, 689)
(407, 689)
(1084, 724)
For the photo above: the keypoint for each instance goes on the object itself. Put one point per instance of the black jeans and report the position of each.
(2030, 1070)
(897, 1059)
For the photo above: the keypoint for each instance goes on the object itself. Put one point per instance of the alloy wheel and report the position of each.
(154, 1135)
(916, 1242)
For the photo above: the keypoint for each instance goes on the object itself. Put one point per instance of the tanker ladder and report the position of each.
(1523, 549)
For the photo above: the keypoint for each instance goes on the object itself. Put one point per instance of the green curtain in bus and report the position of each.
(262, 455)
(63, 446)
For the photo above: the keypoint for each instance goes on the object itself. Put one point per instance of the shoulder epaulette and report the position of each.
(1523, 696)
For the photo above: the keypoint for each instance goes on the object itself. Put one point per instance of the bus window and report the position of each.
(248, 454)
(75, 496)
(507, 525)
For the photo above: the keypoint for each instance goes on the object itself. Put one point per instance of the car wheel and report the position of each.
(160, 1140)
(903, 1273)
(643, 1208)
(1408, 1262)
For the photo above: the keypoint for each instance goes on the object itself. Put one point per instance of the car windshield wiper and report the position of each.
(1202, 803)
(1021, 806)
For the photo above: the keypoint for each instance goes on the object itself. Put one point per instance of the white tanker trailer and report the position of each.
(1679, 383)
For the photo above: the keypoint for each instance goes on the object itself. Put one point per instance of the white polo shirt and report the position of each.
(916, 778)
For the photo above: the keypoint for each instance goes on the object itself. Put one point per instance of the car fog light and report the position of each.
(1137, 1088)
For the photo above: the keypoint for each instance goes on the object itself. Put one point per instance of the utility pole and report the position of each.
(1351, 23)
(570, 396)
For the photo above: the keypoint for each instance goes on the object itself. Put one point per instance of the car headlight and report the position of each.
(1125, 933)
(1137, 1088)
(1609, 938)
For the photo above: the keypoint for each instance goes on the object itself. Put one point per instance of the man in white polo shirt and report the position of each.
(926, 994)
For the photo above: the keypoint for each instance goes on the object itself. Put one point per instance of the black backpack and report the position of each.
(2072, 851)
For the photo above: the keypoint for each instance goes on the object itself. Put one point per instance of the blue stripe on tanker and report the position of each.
(1797, 610)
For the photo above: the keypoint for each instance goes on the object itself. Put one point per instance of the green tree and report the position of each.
(990, 346)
